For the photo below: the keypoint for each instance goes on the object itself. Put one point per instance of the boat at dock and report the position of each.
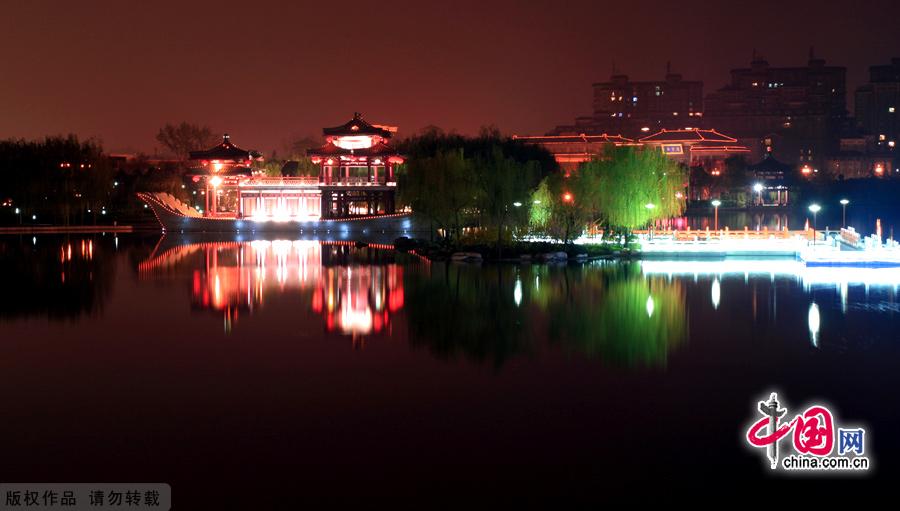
(175, 216)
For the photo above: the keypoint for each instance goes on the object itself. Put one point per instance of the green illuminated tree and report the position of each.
(563, 205)
(504, 186)
(635, 186)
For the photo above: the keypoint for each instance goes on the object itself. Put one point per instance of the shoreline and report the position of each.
(68, 229)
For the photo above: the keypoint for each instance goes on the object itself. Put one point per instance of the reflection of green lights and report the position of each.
(605, 311)
(616, 317)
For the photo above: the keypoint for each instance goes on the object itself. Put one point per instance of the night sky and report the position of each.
(269, 71)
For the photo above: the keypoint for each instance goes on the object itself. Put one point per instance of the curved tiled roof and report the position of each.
(769, 164)
(357, 126)
(329, 149)
(225, 151)
(692, 135)
(569, 139)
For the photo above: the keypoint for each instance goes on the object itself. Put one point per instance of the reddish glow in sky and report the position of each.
(269, 71)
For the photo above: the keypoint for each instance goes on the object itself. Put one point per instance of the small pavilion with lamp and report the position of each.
(772, 180)
(222, 168)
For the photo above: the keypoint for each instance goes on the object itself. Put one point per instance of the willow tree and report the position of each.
(636, 186)
(440, 188)
(504, 186)
(563, 205)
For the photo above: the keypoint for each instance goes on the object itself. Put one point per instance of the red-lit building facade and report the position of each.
(703, 152)
(570, 151)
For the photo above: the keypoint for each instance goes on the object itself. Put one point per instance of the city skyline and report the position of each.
(270, 74)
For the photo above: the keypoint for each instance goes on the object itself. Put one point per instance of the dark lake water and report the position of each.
(256, 372)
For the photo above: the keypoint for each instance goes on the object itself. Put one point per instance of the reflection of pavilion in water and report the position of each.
(355, 289)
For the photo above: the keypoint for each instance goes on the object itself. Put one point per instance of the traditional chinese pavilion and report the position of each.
(221, 168)
(356, 169)
(774, 179)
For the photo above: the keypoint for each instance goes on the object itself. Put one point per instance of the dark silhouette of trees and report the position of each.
(185, 137)
(296, 162)
(57, 179)
(483, 181)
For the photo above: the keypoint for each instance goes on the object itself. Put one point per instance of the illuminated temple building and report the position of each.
(356, 179)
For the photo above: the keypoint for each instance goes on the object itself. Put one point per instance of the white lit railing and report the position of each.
(313, 181)
(281, 181)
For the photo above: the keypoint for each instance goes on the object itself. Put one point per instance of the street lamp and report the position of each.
(19, 214)
(517, 204)
(716, 203)
(815, 208)
(568, 197)
(650, 207)
(758, 188)
(844, 203)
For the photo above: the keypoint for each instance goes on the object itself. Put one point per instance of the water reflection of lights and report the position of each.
(355, 299)
(838, 278)
(814, 321)
(650, 306)
(716, 293)
(810, 276)
(517, 292)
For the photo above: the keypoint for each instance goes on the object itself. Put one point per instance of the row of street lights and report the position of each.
(815, 208)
